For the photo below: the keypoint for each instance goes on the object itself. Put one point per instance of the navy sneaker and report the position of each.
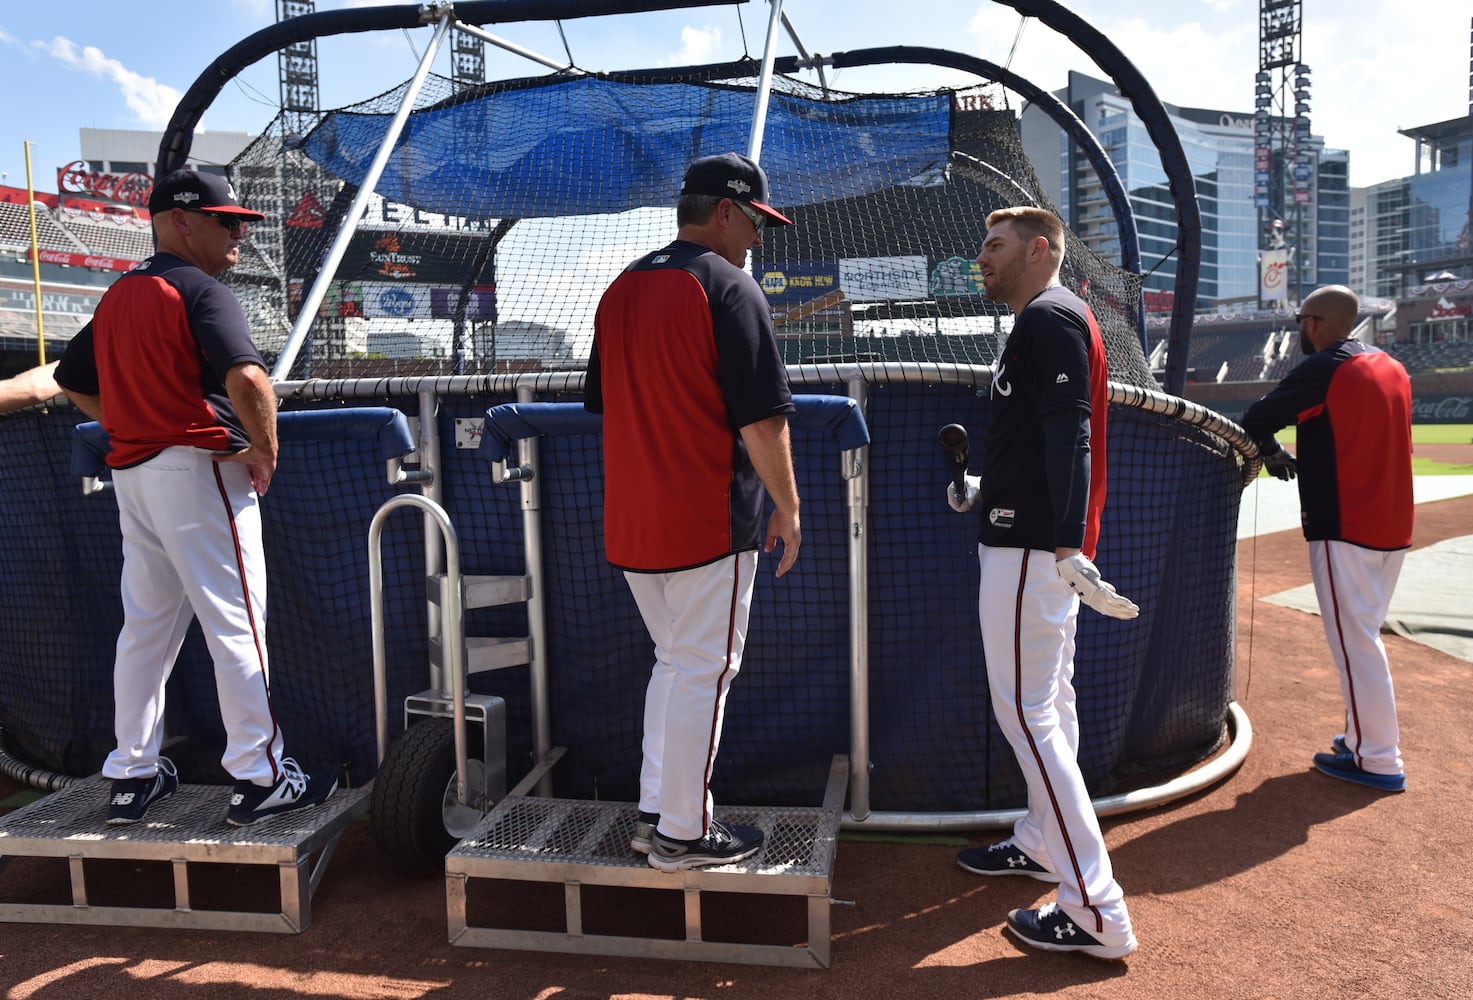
(723, 844)
(131, 797)
(1340, 745)
(1344, 767)
(1051, 929)
(293, 790)
(644, 832)
(1003, 858)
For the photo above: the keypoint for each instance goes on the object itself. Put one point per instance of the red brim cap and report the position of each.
(236, 210)
(772, 214)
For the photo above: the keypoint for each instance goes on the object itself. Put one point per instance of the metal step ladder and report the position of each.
(583, 845)
(185, 831)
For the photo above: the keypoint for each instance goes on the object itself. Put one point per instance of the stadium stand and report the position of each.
(15, 230)
(1430, 357)
(128, 237)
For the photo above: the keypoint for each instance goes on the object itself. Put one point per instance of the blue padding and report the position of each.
(89, 449)
(383, 426)
(837, 416)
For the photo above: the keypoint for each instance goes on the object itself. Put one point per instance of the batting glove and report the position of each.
(1084, 579)
(1281, 464)
(962, 504)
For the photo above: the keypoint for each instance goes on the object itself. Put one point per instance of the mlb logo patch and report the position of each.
(1001, 517)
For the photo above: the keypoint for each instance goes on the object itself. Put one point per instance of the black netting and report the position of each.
(881, 281)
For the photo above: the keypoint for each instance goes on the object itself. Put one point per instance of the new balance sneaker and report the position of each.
(1003, 858)
(723, 844)
(293, 790)
(644, 832)
(1340, 745)
(131, 797)
(1051, 929)
(1344, 767)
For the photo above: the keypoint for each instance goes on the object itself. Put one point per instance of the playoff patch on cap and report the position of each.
(734, 176)
(197, 192)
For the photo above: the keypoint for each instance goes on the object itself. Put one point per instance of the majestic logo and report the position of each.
(1061, 379)
(186, 197)
(739, 186)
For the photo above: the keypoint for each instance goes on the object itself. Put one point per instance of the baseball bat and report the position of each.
(953, 441)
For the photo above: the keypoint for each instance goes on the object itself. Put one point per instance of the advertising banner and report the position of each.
(1273, 276)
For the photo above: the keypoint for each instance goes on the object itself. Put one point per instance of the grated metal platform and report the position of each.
(187, 828)
(577, 844)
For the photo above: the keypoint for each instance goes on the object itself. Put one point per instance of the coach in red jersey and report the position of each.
(1351, 405)
(1041, 490)
(168, 367)
(687, 373)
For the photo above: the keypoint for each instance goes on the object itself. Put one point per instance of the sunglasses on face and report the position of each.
(758, 221)
(233, 224)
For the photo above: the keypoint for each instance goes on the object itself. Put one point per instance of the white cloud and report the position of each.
(150, 101)
(698, 45)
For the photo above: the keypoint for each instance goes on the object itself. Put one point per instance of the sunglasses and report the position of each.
(234, 224)
(1301, 317)
(758, 221)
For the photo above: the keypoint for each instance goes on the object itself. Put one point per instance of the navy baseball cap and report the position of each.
(734, 176)
(197, 192)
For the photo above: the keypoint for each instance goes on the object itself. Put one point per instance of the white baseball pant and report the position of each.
(1028, 615)
(698, 621)
(1354, 587)
(192, 548)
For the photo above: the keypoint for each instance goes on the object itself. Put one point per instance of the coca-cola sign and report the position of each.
(127, 189)
(1439, 409)
(85, 260)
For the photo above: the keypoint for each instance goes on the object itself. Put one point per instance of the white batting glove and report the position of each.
(1084, 579)
(962, 504)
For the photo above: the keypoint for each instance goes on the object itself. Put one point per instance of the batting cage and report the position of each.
(440, 250)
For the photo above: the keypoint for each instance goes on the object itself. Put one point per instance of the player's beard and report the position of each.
(1305, 345)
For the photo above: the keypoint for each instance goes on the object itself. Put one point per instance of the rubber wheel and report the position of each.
(416, 819)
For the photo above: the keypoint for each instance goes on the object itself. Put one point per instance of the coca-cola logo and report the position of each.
(129, 189)
(1448, 409)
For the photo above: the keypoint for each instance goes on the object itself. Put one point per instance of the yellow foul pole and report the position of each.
(35, 261)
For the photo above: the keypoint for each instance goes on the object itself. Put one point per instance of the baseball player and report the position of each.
(1041, 490)
(168, 367)
(1352, 405)
(695, 398)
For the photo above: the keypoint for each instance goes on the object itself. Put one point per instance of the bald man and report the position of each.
(1351, 405)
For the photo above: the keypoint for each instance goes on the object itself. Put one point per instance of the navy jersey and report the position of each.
(683, 357)
(1352, 407)
(156, 353)
(1043, 485)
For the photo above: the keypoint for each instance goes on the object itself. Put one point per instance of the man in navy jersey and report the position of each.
(1041, 490)
(1352, 405)
(687, 373)
(167, 366)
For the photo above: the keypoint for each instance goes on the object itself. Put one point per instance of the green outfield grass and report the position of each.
(1442, 433)
(1421, 434)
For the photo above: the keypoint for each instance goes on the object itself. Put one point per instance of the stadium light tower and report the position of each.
(467, 59)
(297, 70)
(1283, 163)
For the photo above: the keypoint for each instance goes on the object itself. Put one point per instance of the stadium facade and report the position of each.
(1415, 237)
(1219, 145)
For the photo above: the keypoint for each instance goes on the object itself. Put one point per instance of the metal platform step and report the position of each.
(187, 828)
(577, 844)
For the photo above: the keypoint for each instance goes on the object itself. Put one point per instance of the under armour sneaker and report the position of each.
(293, 790)
(644, 832)
(1003, 858)
(1344, 767)
(131, 797)
(1051, 929)
(723, 844)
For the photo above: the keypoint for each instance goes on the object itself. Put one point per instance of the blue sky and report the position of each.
(1377, 65)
